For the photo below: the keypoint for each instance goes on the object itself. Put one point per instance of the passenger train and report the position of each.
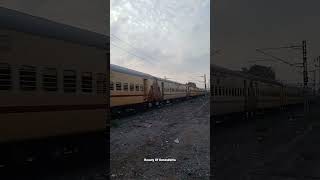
(129, 88)
(53, 86)
(236, 92)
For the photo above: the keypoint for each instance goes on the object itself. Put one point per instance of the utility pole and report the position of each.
(205, 82)
(305, 65)
(305, 75)
(317, 60)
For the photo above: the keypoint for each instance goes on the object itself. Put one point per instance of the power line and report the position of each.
(132, 46)
(132, 54)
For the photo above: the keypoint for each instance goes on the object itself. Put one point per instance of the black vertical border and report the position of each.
(212, 152)
(108, 116)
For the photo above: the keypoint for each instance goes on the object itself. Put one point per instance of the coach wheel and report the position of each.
(157, 103)
(150, 105)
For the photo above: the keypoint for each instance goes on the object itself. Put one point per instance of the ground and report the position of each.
(275, 145)
(180, 131)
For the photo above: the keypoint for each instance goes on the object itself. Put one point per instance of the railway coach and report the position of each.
(235, 92)
(130, 88)
(53, 86)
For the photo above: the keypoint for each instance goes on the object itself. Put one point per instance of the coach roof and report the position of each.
(129, 71)
(18, 21)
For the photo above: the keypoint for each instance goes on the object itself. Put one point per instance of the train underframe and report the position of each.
(252, 114)
(119, 111)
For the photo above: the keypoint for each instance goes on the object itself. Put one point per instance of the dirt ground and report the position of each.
(178, 131)
(257, 149)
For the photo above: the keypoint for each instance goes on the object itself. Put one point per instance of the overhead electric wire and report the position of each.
(132, 53)
(147, 56)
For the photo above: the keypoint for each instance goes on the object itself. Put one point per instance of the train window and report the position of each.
(137, 87)
(216, 91)
(111, 86)
(28, 78)
(118, 86)
(125, 86)
(101, 83)
(219, 91)
(69, 81)
(49, 79)
(5, 77)
(131, 87)
(141, 87)
(86, 82)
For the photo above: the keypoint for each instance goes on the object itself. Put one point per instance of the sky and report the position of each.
(164, 38)
(242, 26)
(86, 14)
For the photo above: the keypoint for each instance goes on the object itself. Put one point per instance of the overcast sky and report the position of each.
(171, 38)
(242, 26)
(85, 14)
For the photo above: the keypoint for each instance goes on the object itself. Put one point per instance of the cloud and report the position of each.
(173, 37)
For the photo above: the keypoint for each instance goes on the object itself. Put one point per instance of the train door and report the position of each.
(145, 90)
(187, 91)
(252, 97)
(245, 94)
(162, 89)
